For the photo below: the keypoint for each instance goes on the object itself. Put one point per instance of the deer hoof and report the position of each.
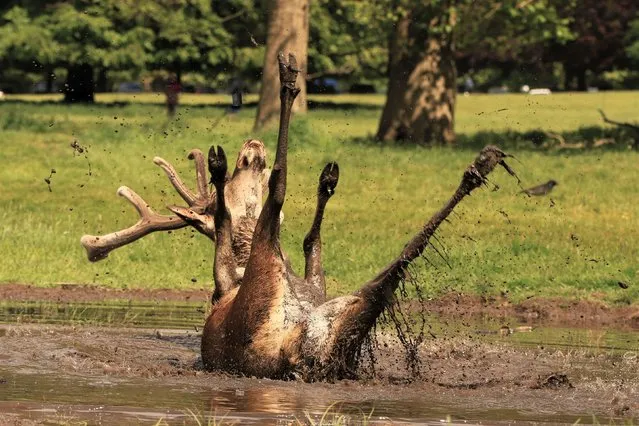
(328, 179)
(217, 165)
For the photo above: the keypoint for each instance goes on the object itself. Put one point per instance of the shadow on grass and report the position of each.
(582, 140)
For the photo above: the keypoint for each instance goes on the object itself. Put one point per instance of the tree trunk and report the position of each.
(420, 101)
(79, 86)
(103, 81)
(582, 84)
(288, 33)
(569, 76)
(49, 79)
(177, 69)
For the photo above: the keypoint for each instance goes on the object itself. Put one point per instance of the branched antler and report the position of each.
(98, 247)
(198, 214)
(200, 200)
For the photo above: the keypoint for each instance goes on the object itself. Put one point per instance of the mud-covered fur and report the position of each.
(265, 320)
(278, 324)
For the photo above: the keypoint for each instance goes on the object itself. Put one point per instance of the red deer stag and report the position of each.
(265, 320)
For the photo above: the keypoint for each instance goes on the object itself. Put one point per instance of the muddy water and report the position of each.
(191, 316)
(125, 314)
(51, 398)
(66, 374)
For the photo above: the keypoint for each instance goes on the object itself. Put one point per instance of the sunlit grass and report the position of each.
(580, 244)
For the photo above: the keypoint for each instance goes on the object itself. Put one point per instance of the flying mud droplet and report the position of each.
(79, 150)
(503, 213)
(48, 179)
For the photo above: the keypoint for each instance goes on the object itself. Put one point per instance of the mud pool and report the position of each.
(138, 363)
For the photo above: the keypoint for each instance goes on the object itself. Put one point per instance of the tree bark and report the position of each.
(79, 86)
(288, 33)
(569, 76)
(420, 101)
(582, 83)
(49, 76)
(103, 81)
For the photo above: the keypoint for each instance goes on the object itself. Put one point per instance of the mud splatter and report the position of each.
(82, 151)
(48, 179)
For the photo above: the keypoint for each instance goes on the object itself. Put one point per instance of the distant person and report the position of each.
(172, 91)
(469, 84)
(237, 90)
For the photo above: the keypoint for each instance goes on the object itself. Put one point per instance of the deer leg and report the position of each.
(265, 304)
(380, 290)
(327, 344)
(268, 224)
(314, 286)
(225, 265)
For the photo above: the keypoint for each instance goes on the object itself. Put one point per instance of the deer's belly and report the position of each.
(269, 309)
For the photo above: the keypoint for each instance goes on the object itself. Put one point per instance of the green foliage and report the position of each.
(23, 39)
(114, 34)
(506, 28)
(632, 38)
(66, 35)
(348, 39)
(188, 36)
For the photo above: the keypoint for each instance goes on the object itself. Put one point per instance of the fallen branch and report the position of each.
(618, 123)
(633, 127)
(562, 142)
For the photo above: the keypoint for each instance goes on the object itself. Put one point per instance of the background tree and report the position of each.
(599, 29)
(420, 101)
(91, 38)
(188, 36)
(78, 36)
(347, 40)
(632, 40)
(288, 31)
(25, 44)
(244, 20)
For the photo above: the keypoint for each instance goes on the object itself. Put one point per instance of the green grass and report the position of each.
(579, 247)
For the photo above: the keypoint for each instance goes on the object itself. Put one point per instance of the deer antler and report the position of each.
(201, 205)
(203, 197)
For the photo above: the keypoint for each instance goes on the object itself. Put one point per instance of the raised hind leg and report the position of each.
(327, 344)
(313, 288)
(225, 264)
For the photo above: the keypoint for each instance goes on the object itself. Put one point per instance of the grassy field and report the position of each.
(580, 242)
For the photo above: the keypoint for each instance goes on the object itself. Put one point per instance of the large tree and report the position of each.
(420, 104)
(347, 40)
(188, 36)
(24, 44)
(632, 42)
(288, 31)
(90, 38)
(78, 36)
(600, 28)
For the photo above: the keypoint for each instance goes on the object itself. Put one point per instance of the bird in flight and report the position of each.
(543, 189)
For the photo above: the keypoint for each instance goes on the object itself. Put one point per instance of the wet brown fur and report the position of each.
(269, 322)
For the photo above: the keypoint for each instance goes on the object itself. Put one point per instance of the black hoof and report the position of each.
(328, 179)
(217, 165)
